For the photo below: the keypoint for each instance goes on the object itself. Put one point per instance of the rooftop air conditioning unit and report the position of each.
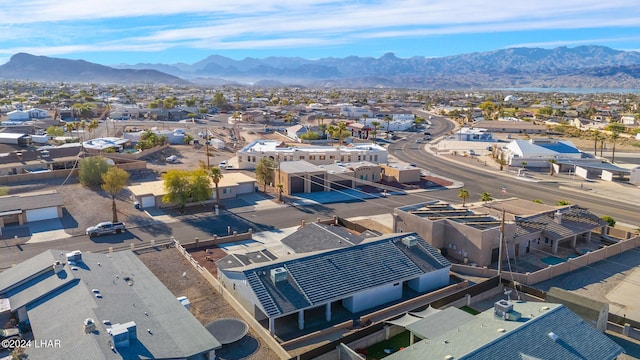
(278, 274)
(74, 255)
(410, 241)
(57, 266)
(502, 307)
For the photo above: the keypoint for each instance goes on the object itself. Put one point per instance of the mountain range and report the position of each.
(563, 67)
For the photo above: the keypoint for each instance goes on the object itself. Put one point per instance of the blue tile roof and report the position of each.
(318, 278)
(575, 340)
(560, 147)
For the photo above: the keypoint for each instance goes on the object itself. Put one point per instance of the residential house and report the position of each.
(28, 207)
(354, 278)
(472, 234)
(99, 306)
(511, 330)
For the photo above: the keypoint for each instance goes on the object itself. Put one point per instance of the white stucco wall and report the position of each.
(373, 297)
(430, 281)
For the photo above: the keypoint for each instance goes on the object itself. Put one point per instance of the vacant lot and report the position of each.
(206, 304)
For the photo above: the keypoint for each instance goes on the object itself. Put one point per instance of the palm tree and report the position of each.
(524, 164)
(216, 175)
(92, 126)
(331, 129)
(376, 126)
(342, 128)
(485, 196)
(614, 136)
(387, 119)
(323, 128)
(464, 195)
(82, 125)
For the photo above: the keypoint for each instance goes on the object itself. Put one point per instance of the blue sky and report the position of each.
(158, 31)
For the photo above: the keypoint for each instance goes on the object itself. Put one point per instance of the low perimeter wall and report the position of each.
(551, 271)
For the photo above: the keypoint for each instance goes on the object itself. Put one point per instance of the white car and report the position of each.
(172, 159)
(223, 164)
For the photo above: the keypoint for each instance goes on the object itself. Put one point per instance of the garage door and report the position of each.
(297, 185)
(147, 201)
(317, 183)
(246, 188)
(42, 214)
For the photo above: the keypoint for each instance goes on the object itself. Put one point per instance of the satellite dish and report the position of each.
(110, 162)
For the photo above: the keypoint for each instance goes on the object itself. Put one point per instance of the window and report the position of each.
(239, 159)
(301, 157)
(312, 157)
(332, 157)
(375, 158)
(322, 157)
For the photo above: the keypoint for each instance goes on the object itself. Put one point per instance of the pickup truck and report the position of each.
(106, 227)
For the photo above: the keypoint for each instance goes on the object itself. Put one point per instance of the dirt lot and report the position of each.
(206, 304)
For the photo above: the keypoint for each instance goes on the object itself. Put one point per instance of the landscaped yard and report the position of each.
(392, 345)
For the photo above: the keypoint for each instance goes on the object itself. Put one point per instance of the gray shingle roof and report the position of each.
(316, 237)
(321, 277)
(28, 201)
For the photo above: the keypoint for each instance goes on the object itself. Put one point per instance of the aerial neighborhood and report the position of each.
(241, 222)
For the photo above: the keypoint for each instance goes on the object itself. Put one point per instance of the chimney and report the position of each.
(557, 217)
(89, 326)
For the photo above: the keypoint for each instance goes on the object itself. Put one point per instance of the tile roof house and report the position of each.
(100, 306)
(356, 278)
(511, 330)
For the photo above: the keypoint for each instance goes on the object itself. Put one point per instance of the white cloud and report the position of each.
(57, 27)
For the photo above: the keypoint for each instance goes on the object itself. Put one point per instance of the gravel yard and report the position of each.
(206, 304)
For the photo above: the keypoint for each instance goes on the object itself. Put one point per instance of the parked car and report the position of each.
(222, 164)
(106, 227)
(172, 159)
(472, 152)
(418, 141)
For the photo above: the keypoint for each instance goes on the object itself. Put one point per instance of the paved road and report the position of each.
(478, 181)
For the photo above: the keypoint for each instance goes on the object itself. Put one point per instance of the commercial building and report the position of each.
(278, 151)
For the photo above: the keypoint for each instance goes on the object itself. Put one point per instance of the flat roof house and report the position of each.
(472, 234)
(99, 306)
(355, 278)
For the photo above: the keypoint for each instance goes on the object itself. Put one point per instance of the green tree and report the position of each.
(387, 119)
(485, 196)
(216, 175)
(91, 169)
(55, 131)
(609, 220)
(538, 201)
(185, 186)
(563, 203)
(188, 139)
(615, 129)
(219, 100)
(342, 131)
(114, 180)
(264, 171)
(310, 135)
(374, 132)
(464, 195)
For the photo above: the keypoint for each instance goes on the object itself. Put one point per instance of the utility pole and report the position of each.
(502, 247)
(206, 146)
